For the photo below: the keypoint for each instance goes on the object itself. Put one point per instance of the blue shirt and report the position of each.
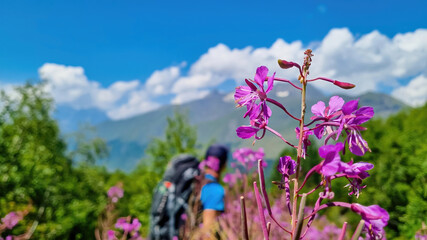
(212, 196)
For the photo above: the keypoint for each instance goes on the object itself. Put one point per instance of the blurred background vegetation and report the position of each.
(65, 189)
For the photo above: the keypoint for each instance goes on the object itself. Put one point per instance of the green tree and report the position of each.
(180, 137)
(35, 169)
(398, 181)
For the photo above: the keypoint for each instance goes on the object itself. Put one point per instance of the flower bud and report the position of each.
(285, 64)
(344, 85)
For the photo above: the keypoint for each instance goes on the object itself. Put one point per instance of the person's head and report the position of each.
(220, 152)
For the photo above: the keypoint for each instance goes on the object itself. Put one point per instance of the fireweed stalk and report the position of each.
(328, 123)
(239, 180)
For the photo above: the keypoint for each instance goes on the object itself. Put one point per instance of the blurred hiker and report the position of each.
(189, 194)
(212, 193)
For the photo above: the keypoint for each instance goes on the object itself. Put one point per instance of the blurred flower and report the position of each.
(419, 236)
(376, 218)
(123, 224)
(229, 178)
(115, 193)
(11, 219)
(248, 157)
(136, 236)
(111, 235)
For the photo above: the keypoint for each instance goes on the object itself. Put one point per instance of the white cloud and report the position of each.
(372, 60)
(221, 63)
(189, 96)
(415, 93)
(369, 61)
(160, 81)
(137, 103)
(105, 98)
(69, 85)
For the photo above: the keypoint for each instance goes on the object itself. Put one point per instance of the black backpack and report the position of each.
(170, 198)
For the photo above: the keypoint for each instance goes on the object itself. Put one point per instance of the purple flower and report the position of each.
(419, 236)
(332, 162)
(305, 140)
(122, 223)
(248, 95)
(287, 166)
(339, 117)
(330, 113)
(111, 235)
(136, 224)
(231, 178)
(136, 236)
(320, 110)
(376, 218)
(248, 157)
(350, 122)
(115, 193)
(356, 170)
(355, 186)
(356, 143)
(11, 219)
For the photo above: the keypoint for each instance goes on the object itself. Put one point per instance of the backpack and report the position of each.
(170, 198)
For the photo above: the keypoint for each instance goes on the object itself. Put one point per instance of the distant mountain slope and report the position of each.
(69, 118)
(216, 117)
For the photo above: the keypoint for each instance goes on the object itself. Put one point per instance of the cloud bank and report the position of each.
(371, 61)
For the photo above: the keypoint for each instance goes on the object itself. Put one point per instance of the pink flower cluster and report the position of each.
(11, 219)
(115, 193)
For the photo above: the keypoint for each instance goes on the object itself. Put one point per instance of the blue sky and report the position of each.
(129, 40)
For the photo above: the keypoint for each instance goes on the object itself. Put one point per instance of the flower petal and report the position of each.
(246, 132)
(350, 107)
(363, 115)
(318, 109)
(261, 75)
(335, 104)
(251, 85)
(270, 83)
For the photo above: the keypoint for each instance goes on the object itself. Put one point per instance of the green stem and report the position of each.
(300, 218)
(358, 230)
